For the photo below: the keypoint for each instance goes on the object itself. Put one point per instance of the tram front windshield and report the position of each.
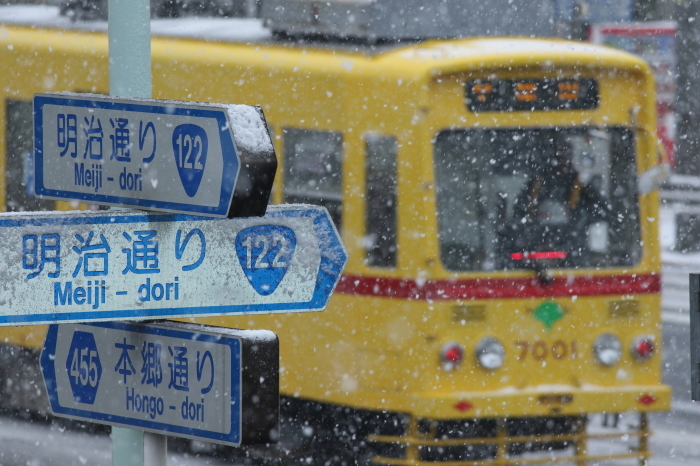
(511, 198)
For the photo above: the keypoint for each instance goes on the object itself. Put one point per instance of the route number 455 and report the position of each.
(84, 367)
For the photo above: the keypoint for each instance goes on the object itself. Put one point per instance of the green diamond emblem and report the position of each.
(549, 313)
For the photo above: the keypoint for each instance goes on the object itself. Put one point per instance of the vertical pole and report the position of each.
(502, 442)
(251, 7)
(155, 449)
(129, 30)
(581, 442)
(127, 447)
(412, 452)
(643, 439)
(136, 448)
(694, 280)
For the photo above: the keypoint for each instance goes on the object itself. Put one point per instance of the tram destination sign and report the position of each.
(127, 265)
(194, 381)
(204, 159)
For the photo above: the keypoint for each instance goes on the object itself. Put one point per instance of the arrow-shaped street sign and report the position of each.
(187, 380)
(121, 265)
(203, 159)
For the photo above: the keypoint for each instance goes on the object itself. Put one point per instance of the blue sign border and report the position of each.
(333, 259)
(48, 368)
(231, 161)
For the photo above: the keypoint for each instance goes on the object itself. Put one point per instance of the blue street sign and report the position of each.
(126, 265)
(203, 159)
(179, 379)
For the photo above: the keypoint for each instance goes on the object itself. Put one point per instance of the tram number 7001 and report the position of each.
(541, 350)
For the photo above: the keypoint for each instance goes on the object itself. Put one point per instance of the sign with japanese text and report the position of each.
(122, 265)
(186, 380)
(204, 159)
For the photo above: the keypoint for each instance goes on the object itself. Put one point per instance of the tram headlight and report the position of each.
(643, 347)
(607, 349)
(490, 353)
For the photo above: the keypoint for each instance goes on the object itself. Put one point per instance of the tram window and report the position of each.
(313, 162)
(565, 196)
(19, 170)
(380, 198)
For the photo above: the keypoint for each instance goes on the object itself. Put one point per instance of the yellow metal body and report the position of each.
(382, 353)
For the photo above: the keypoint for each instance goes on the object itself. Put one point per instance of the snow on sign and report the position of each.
(205, 159)
(121, 265)
(186, 380)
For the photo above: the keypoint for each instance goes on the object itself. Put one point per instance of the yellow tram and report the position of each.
(497, 203)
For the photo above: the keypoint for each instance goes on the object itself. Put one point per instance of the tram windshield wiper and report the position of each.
(538, 255)
(540, 262)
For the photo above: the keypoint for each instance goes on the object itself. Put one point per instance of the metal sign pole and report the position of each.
(695, 336)
(130, 48)
(155, 449)
(129, 27)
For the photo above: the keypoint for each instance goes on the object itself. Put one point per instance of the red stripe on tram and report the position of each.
(485, 288)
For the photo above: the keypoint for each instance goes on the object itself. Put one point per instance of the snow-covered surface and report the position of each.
(249, 130)
(41, 444)
(253, 335)
(667, 228)
(508, 46)
(684, 180)
(220, 29)
(223, 29)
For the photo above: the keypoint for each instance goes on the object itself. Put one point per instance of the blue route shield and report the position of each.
(190, 147)
(264, 252)
(84, 367)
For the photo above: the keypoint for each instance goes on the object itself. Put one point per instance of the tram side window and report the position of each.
(313, 162)
(380, 219)
(19, 171)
